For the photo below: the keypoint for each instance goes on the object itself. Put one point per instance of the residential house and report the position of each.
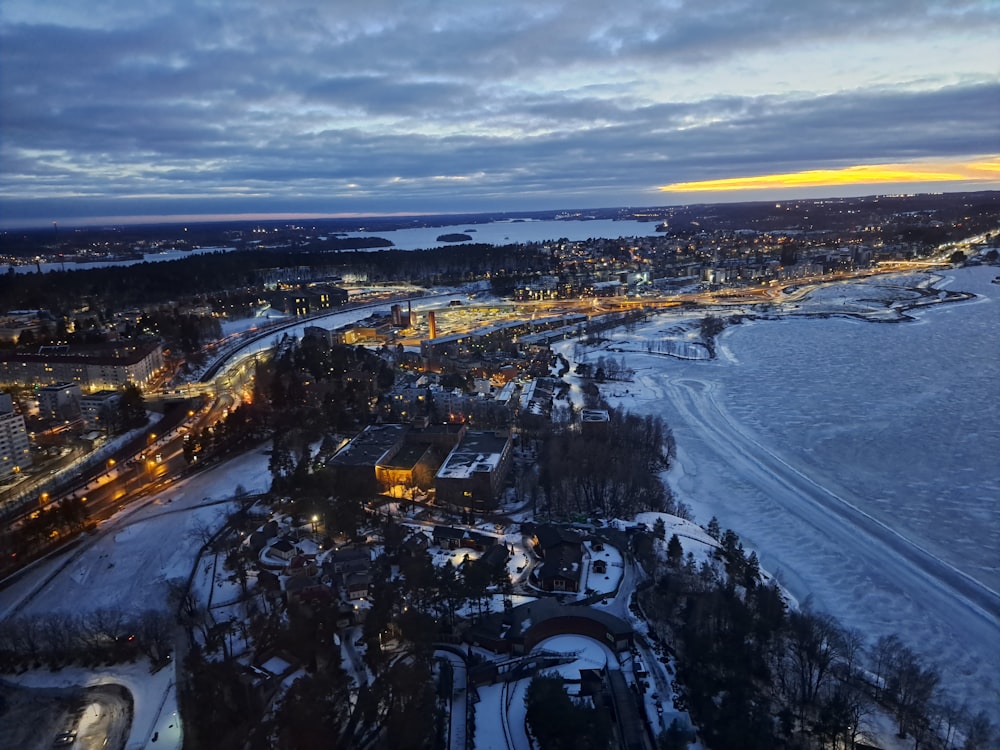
(561, 551)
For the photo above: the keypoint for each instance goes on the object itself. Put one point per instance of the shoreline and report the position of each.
(765, 483)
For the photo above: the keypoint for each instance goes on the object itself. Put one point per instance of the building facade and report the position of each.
(59, 401)
(106, 367)
(100, 410)
(15, 451)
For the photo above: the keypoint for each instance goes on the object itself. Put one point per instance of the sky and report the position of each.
(118, 108)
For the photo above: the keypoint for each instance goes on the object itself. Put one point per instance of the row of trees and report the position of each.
(760, 675)
(105, 635)
(605, 368)
(185, 330)
(245, 424)
(67, 517)
(207, 275)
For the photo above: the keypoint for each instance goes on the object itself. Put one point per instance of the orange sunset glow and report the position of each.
(868, 174)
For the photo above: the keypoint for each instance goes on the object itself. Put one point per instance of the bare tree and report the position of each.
(852, 649)
(980, 734)
(883, 655)
(910, 687)
(57, 634)
(108, 624)
(155, 633)
(814, 644)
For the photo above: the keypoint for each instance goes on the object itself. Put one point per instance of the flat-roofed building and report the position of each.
(354, 465)
(59, 401)
(411, 466)
(473, 473)
(100, 367)
(100, 410)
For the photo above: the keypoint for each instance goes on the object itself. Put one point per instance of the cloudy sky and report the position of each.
(117, 108)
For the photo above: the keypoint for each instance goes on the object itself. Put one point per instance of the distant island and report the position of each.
(456, 237)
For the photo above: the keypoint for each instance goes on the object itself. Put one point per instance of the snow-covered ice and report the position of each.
(858, 459)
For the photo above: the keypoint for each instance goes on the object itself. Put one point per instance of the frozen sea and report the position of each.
(862, 461)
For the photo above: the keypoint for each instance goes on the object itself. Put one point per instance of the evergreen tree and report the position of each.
(675, 552)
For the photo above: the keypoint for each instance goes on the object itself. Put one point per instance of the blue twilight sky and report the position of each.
(118, 108)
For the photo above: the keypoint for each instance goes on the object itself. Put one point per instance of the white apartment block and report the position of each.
(15, 451)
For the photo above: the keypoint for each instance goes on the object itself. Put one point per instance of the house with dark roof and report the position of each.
(283, 549)
(356, 585)
(347, 560)
(303, 587)
(495, 558)
(562, 568)
(415, 544)
(448, 537)
(561, 551)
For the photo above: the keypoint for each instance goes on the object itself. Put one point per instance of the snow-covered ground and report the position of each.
(859, 459)
(130, 560)
(264, 317)
(500, 717)
(606, 582)
(128, 564)
(154, 697)
(588, 653)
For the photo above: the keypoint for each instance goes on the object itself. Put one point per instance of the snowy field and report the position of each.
(607, 582)
(859, 459)
(128, 564)
(131, 559)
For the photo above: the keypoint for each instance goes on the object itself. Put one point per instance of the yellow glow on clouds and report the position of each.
(987, 170)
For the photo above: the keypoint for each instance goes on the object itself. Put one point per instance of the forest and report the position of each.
(756, 673)
(198, 277)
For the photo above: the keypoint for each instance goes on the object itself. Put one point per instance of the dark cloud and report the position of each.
(398, 105)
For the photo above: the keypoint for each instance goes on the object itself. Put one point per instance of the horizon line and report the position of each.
(147, 219)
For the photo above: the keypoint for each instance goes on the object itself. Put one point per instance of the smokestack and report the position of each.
(432, 325)
(409, 314)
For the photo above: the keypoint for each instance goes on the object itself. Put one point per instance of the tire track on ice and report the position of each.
(696, 398)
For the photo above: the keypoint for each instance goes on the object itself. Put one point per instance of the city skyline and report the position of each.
(140, 111)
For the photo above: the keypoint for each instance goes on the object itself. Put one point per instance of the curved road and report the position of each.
(106, 719)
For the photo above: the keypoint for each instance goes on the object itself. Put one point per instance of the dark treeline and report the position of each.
(116, 288)
(104, 636)
(756, 674)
